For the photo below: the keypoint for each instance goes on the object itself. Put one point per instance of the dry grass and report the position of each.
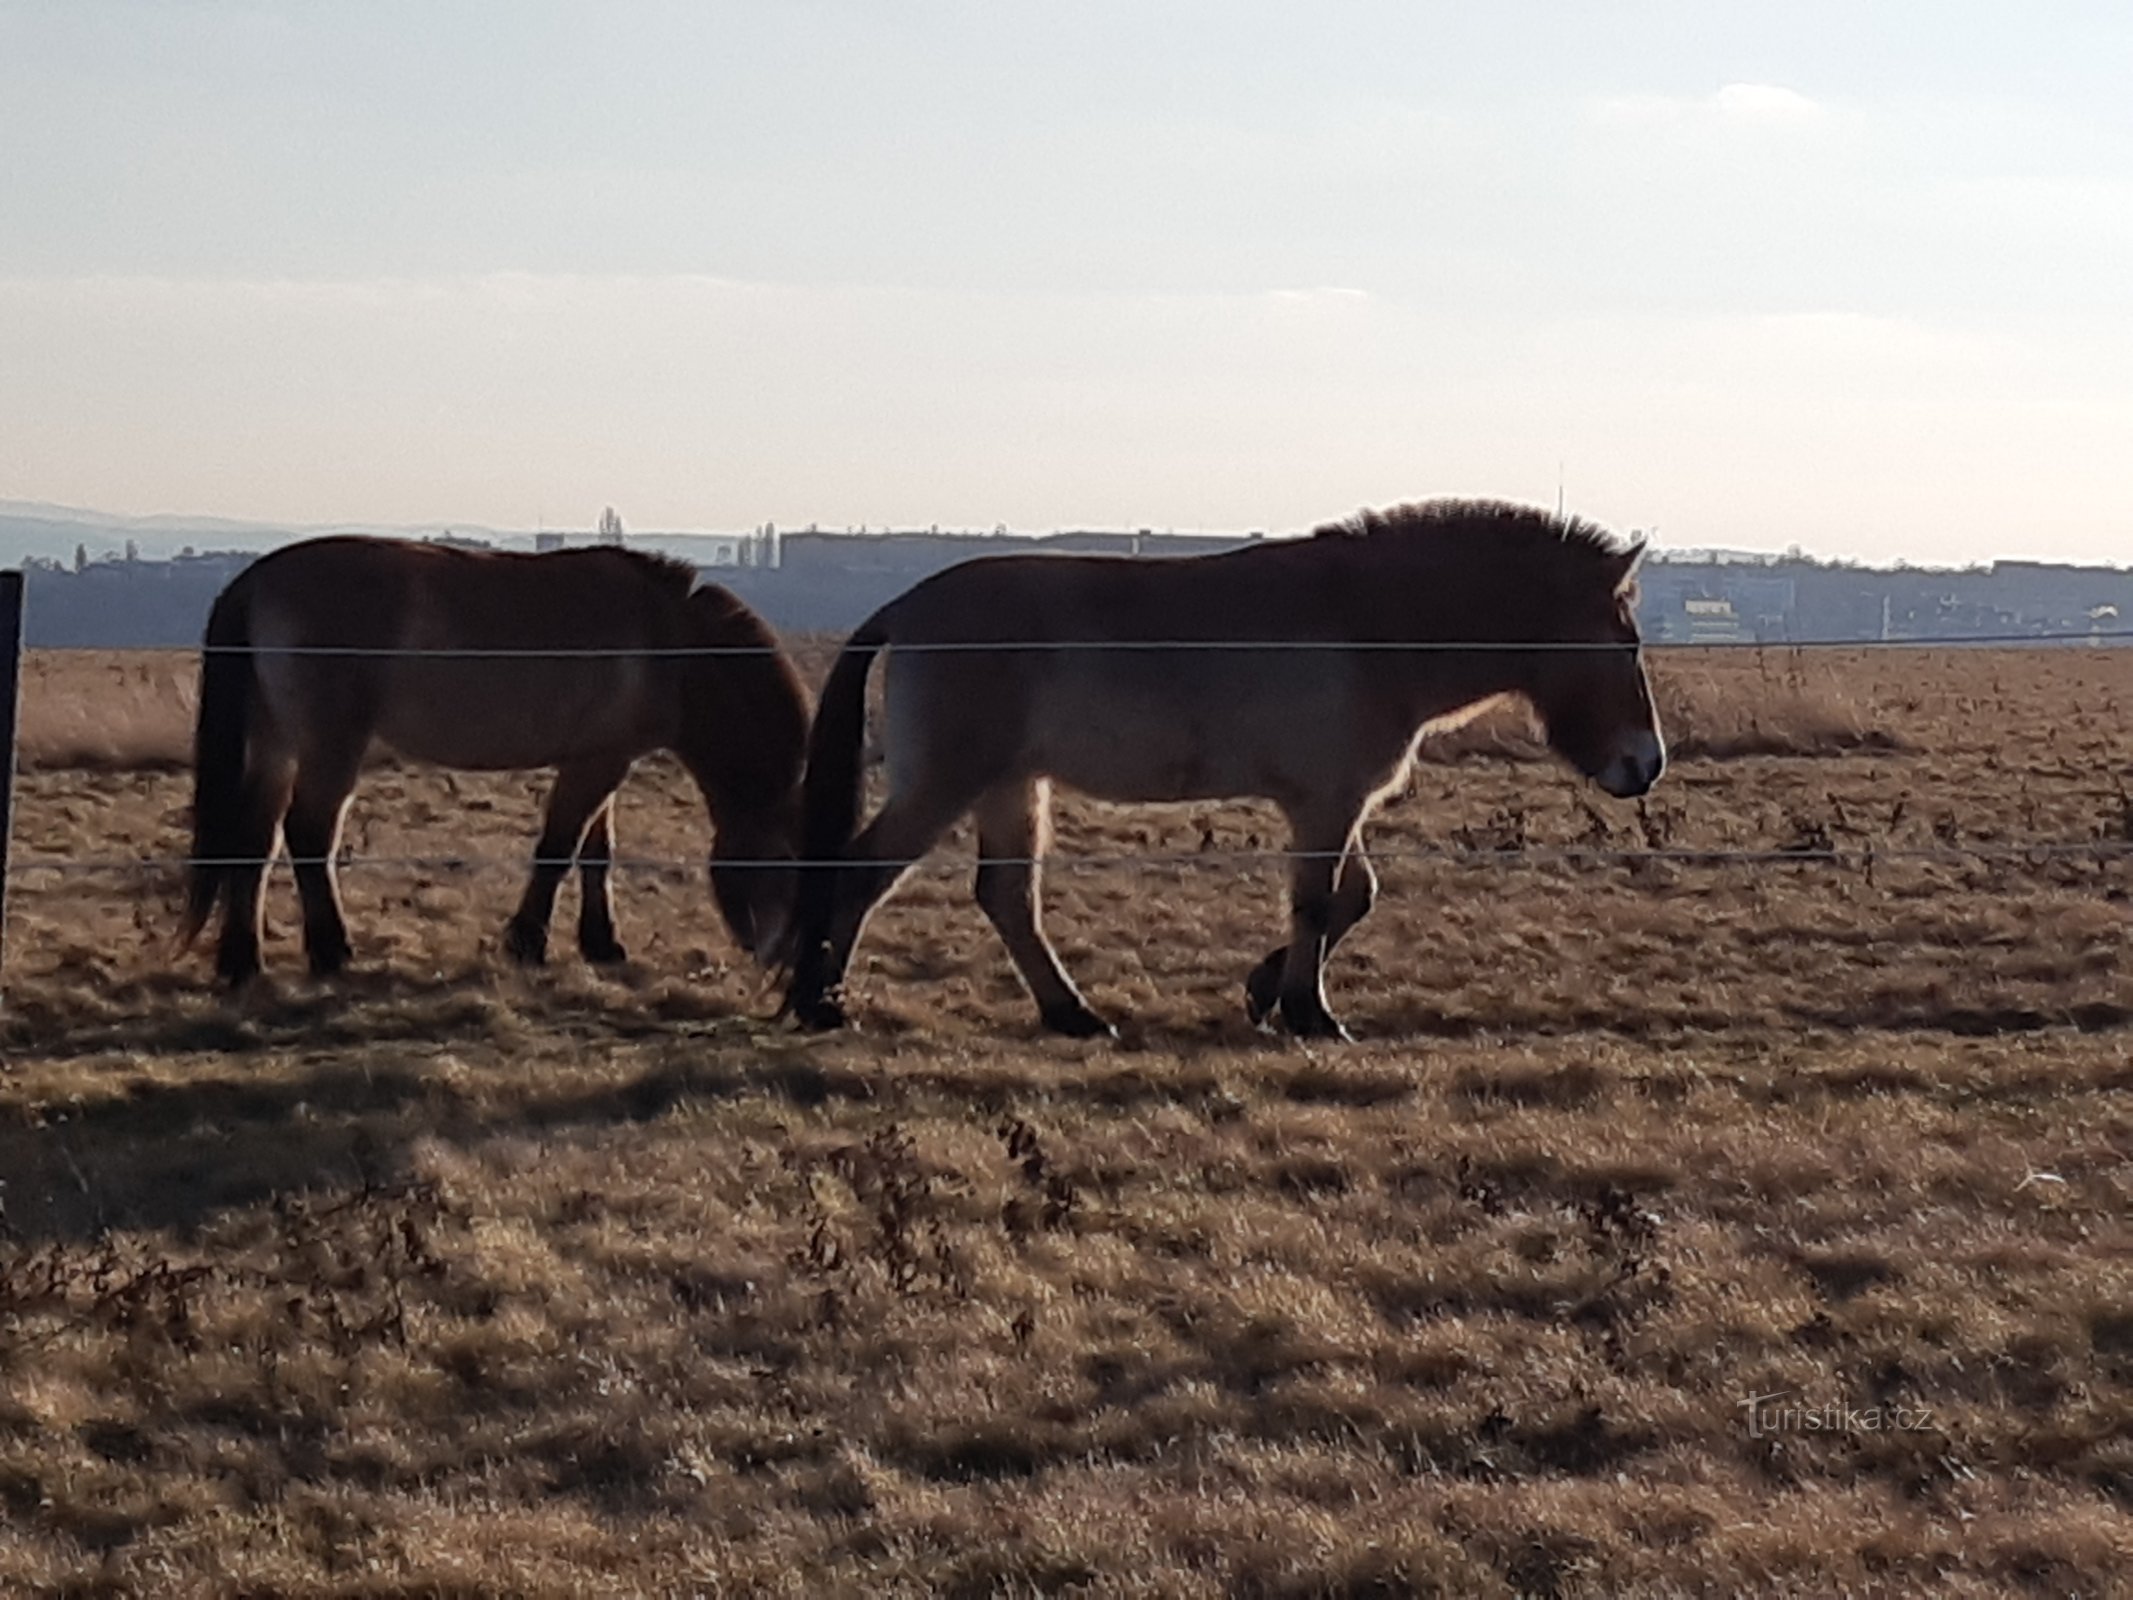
(107, 711)
(448, 1279)
(1716, 707)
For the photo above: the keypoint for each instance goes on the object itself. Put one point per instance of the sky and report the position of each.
(1848, 276)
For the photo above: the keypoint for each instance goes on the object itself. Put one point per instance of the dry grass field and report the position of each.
(449, 1279)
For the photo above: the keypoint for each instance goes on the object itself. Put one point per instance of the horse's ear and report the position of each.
(1626, 563)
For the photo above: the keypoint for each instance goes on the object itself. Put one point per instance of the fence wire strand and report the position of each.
(2029, 852)
(1863, 853)
(996, 646)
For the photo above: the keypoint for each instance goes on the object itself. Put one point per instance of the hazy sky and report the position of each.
(1852, 275)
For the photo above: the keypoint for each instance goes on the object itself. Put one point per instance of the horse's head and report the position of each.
(1590, 690)
(753, 879)
(744, 737)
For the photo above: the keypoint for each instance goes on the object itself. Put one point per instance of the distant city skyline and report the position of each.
(43, 532)
(1842, 277)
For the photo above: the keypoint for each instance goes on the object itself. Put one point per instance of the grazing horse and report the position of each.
(579, 660)
(1299, 671)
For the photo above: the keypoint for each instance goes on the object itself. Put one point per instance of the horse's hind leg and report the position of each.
(1354, 892)
(1012, 829)
(582, 790)
(596, 905)
(266, 797)
(325, 778)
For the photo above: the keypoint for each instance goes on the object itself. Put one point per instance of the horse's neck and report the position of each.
(1436, 606)
(737, 716)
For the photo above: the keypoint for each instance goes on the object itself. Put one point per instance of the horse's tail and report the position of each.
(830, 798)
(220, 738)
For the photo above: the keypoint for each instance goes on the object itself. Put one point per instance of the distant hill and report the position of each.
(104, 581)
(30, 528)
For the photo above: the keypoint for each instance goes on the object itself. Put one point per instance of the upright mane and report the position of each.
(723, 618)
(717, 616)
(664, 572)
(1497, 528)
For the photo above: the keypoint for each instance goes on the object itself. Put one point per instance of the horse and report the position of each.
(583, 660)
(1300, 671)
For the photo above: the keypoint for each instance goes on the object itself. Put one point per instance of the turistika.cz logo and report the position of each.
(1769, 1414)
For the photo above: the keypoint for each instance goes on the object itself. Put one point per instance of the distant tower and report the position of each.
(610, 531)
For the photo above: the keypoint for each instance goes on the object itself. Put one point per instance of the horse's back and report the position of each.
(1126, 678)
(466, 658)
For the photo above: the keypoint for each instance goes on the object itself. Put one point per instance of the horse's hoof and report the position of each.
(609, 954)
(1262, 990)
(330, 959)
(820, 1015)
(1077, 1022)
(236, 972)
(1314, 1022)
(527, 946)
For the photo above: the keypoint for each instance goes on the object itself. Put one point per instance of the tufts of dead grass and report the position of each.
(1783, 704)
(1718, 706)
(107, 711)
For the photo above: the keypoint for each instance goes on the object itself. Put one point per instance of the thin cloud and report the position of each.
(1737, 104)
(1764, 102)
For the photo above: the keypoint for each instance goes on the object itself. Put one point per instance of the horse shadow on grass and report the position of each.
(148, 1104)
(151, 1103)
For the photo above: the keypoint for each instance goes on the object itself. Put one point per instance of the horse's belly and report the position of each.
(488, 721)
(495, 750)
(1149, 773)
(1125, 738)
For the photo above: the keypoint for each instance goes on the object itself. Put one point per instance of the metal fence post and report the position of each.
(10, 706)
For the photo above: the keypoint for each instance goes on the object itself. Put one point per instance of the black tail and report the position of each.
(831, 797)
(219, 749)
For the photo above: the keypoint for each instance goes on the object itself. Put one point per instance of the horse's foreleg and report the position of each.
(582, 791)
(1320, 852)
(905, 829)
(324, 781)
(596, 903)
(1354, 893)
(1011, 840)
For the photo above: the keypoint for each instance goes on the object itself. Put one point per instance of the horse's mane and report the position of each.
(725, 617)
(665, 572)
(1496, 525)
(719, 615)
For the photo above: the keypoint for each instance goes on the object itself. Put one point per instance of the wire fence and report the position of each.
(1863, 851)
(1860, 854)
(2099, 636)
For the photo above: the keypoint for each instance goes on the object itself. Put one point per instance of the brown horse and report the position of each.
(582, 660)
(1121, 678)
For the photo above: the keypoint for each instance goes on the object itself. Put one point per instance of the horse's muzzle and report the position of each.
(1634, 767)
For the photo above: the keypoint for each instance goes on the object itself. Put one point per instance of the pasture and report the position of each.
(446, 1278)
